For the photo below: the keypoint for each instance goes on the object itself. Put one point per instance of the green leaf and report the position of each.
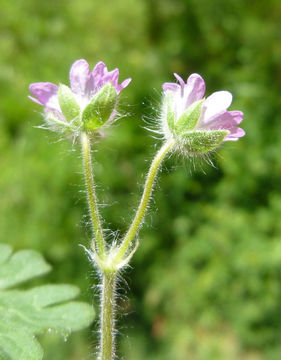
(189, 118)
(100, 108)
(20, 267)
(201, 141)
(68, 104)
(26, 313)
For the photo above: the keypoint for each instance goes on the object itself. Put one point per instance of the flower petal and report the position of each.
(81, 78)
(125, 83)
(180, 80)
(235, 134)
(97, 75)
(223, 120)
(170, 86)
(120, 87)
(215, 103)
(44, 91)
(194, 89)
(111, 76)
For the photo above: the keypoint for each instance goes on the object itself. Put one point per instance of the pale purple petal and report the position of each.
(170, 87)
(99, 69)
(81, 78)
(222, 120)
(97, 75)
(111, 76)
(125, 83)
(215, 103)
(194, 89)
(102, 76)
(225, 120)
(44, 91)
(34, 99)
(235, 134)
(180, 80)
(120, 87)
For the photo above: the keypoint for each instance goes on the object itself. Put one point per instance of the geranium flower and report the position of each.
(193, 120)
(91, 99)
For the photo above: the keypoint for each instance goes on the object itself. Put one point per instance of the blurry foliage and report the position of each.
(205, 282)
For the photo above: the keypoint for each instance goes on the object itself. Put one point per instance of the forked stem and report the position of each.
(108, 264)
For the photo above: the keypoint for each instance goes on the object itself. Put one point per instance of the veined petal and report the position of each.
(194, 89)
(99, 69)
(170, 87)
(180, 80)
(125, 83)
(222, 120)
(111, 76)
(235, 134)
(44, 91)
(120, 87)
(97, 75)
(81, 78)
(215, 103)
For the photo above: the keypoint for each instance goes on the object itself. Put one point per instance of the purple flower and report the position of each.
(86, 91)
(188, 108)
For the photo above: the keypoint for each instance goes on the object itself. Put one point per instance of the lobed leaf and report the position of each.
(26, 313)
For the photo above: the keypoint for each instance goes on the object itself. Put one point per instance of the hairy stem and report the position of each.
(98, 243)
(137, 221)
(107, 345)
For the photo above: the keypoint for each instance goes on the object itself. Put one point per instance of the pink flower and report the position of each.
(85, 85)
(212, 114)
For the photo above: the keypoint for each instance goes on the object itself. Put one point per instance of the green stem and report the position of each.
(107, 345)
(98, 243)
(155, 165)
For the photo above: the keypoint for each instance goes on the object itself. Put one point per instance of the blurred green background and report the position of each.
(205, 282)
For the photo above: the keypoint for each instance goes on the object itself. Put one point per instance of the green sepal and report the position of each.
(100, 108)
(168, 110)
(189, 118)
(68, 104)
(202, 141)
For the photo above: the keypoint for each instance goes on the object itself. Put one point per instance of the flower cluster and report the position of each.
(198, 124)
(88, 104)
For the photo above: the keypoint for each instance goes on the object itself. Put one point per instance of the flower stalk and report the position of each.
(138, 219)
(98, 244)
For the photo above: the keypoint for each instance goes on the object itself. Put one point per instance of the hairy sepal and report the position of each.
(168, 112)
(100, 108)
(202, 141)
(68, 104)
(188, 120)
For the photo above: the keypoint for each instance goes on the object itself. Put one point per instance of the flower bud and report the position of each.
(100, 108)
